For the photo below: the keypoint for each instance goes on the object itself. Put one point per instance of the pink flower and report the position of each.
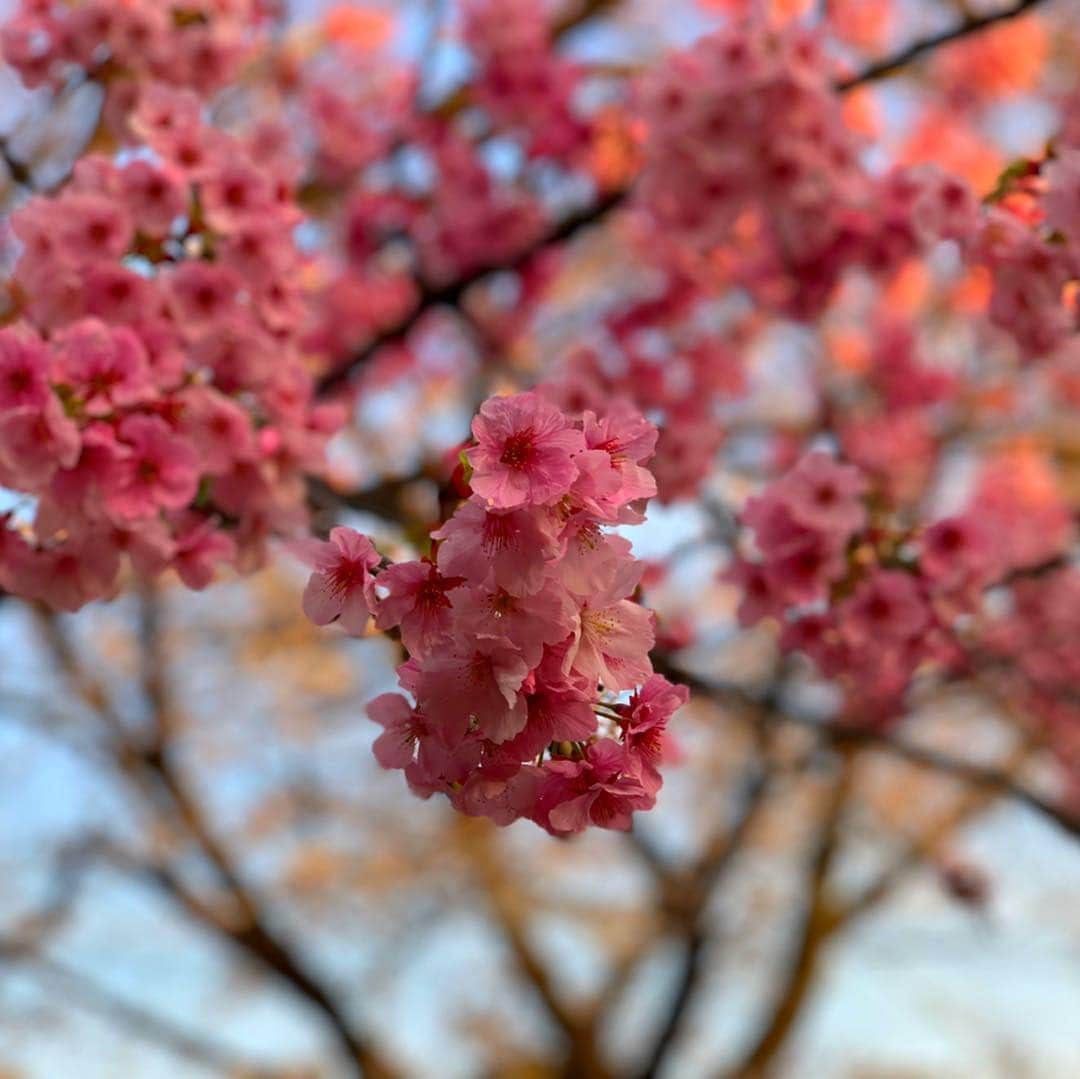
(557, 712)
(105, 366)
(824, 495)
(79, 486)
(155, 195)
(234, 195)
(629, 440)
(219, 429)
(92, 226)
(396, 746)
(72, 574)
(477, 682)
(35, 442)
(201, 547)
(603, 789)
(645, 725)
(887, 608)
(524, 452)
(159, 471)
(758, 597)
(24, 368)
(956, 550)
(416, 600)
(548, 616)
(202, 293)
(614, 637)
(1062, 197)
(510, 550)
(342, 586)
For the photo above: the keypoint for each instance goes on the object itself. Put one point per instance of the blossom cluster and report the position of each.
(521, 82)
(154, 400)
(746, 143)
(197, 43)
(523, 635)
(867, 606)
(654, 355)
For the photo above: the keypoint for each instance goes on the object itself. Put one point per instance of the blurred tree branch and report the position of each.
(815, 924)
(150, 766)
(477, 841)
(83, 990)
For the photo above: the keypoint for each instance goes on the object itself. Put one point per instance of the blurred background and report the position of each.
(203, 871)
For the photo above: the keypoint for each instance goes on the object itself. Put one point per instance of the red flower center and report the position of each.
(518, 449)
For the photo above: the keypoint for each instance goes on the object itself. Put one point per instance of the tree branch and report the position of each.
(155, 778)
(583, 1060)
(689, 899)
(812, 933)
(451, 293)
(971, 24)
(83, 990)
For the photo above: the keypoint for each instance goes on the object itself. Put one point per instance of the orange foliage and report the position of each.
(780, 10)
(951, 143)
(850, 349)
(362, 29)
(861, 113)
(861, 23)
(971, 293)
(909, 287)
(615, 152)
(1005, 59)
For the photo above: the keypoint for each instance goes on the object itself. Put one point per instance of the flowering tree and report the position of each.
(474, 303)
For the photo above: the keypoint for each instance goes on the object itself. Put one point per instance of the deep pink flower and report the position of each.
(956, 550)
(614, 636)
(105, 366)
(475, 682)
(24, 368)
(509, 549)
(34, 442)
(156, 195)
(524, 452)
(546, 617)
(342, 586)
(200, 547)
(645, 725)
(202, 293)
(72, 574)
(396, 746)
(822, 494)
(414, 597)
(159, 471)
(888, 607)
(603, 789)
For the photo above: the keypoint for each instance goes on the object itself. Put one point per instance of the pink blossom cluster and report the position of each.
(521, 81)
(522, 631)
(199, 44)
(1033, 656)
(872, 598)
(868, 604)
(682, 384)
(746, 137)
(153, 399)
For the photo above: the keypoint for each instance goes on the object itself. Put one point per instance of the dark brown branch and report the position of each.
(971, 24)
(451, 293)
(576, 1026)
